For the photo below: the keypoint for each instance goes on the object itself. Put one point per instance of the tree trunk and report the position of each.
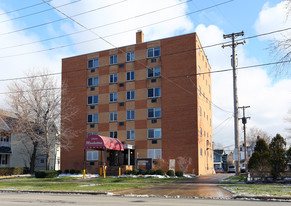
(33, 157)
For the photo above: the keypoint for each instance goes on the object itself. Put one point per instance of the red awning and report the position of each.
(101, 143)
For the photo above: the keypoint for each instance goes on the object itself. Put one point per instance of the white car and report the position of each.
(231, 169)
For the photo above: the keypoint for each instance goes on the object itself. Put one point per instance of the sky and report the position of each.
(35, 36)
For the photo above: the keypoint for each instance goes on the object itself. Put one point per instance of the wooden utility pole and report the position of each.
(235, 98)
(244, 121)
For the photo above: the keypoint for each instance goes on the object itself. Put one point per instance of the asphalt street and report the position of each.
(35, 199)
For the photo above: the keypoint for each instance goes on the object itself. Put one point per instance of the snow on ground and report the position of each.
(79, 175)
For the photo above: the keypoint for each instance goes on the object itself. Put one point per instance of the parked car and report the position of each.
(219, 169)
(242, 169)
(231, 169)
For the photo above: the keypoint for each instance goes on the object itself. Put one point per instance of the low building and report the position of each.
(16, 147)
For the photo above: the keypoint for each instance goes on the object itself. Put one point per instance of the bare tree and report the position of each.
(282, 47)
(288, 120)
(36, 102)
(254, 133)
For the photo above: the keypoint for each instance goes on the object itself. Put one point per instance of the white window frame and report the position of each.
(130, 135)
(154, 153)
(130, 56)
(95, 63)
(154, 52)
(113, 78)
(157, 112)
(113, 59)
(154, 92)
(131, 76)
(113, 116)
(93, 99)
(95, 81)
(94, 118)
(130, 95)
(113, 134)
(92, 155)
(156, 72)
(113, 97)
(155, 131)
(130, 115)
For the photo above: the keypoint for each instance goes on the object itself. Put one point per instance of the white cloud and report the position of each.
(271, 19)
(269, 101)
(105, 18)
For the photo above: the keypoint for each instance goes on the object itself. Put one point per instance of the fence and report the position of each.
(266, 176)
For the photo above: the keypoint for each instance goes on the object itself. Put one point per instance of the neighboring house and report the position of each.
(152, 96)
(15, 148)
(220, 159)
(250, 151)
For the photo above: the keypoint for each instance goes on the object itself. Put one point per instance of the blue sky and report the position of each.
(269, 97)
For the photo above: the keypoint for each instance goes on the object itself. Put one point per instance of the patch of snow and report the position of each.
(90, 185)
(79, 175)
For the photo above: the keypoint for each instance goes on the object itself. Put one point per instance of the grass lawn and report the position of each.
(235, 179)
(77, 184)
(260, 190)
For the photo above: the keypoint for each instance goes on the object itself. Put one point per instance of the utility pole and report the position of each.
(244, 121)
(235, 99)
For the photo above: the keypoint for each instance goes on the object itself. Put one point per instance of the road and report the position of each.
(35, 199)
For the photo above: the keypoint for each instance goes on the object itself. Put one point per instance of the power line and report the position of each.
(23, 8)
(170, 19)
(38, 12)
(67, 17)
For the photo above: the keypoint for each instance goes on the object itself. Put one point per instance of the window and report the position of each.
(154, 72)
(113, 59)
(113, 116)
(113, 97)
(113, 78)
(201, 152)
(154, 133)
(154, 112)
(199, 90)
(92, 99)
(155, 153)
(154, 52)
(130, 76)
(200, 132)
(130, 56)
(92, 133)
(93, 81)
(92, 63)
(210, 122)
(130, 115)
(130, 95)
(130, 135)
(154, 92)
(92, 118)
(113, 134)
(92, 155)
(199, 70)
(200, 111)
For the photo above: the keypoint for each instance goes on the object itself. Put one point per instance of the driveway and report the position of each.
(203, 187)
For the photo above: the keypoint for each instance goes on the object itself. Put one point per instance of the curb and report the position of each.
(266, 198)
(59, 192)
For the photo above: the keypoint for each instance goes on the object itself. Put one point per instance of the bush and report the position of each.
(179, 173)
(152, 172)
(128, 172)
(160, 172)
(5, 171)
(77, 172)
(143, 172)
(59, 172)
(171, 173)
(67, 171)
(46, 174)
(135, 172)
(72, 171)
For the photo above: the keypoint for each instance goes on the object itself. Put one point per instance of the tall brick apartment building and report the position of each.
(154, 96)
